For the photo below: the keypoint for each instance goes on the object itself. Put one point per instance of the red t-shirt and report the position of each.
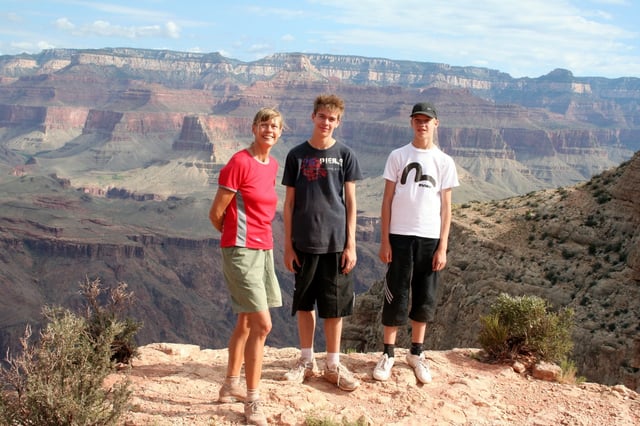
(247, 222)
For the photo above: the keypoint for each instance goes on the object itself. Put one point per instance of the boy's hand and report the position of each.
(348, 261)
(439, 260)
(385, 253)
(291, 259)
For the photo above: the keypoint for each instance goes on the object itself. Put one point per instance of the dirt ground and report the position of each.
(178, 385)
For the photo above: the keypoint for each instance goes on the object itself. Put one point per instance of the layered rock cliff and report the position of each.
(519, 134)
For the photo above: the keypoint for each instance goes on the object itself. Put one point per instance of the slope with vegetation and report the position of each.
(576, 247)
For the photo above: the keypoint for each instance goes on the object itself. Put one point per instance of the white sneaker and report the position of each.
(382, 371)
(303, 369)
(420, 367)
(254, 413)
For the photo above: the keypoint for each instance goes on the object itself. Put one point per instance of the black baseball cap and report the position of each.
(424, 108)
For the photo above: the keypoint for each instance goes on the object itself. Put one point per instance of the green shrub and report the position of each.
(523, 327)
(60, 379)
(494, 337)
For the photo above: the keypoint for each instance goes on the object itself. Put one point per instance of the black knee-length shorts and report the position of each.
(319, 280)
(410, 281)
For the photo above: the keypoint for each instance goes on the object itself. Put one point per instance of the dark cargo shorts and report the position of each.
(319, 280)
(410, 277)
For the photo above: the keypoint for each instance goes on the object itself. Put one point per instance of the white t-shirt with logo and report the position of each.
(420, 176)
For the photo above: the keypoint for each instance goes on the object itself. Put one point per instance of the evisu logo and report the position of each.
(422, 180)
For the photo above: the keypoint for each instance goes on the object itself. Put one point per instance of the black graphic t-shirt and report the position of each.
(319, 214)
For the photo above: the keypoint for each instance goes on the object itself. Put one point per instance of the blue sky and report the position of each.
(520, 37)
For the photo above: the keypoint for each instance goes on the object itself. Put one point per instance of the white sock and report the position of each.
(253, 394)
(232, 380)
(306, 353)
(333, 359)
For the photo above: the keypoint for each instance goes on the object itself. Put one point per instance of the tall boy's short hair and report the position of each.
(331, 102)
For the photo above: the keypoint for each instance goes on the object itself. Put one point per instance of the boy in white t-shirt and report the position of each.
(415, 223)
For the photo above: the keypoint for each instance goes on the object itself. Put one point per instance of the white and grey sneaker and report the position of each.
(303, 369)
(341, 377)
(382, 371)
(420, 367)
(254, 413)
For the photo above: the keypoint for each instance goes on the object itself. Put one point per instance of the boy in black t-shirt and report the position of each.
(320, 241)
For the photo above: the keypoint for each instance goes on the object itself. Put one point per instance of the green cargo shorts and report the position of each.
(251, 279)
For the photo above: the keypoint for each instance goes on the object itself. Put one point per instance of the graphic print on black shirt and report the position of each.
(312, 168)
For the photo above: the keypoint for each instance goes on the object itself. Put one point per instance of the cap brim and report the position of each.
(428, 114)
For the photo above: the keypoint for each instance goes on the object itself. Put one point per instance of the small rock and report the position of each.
(519, 367)
(546, 371)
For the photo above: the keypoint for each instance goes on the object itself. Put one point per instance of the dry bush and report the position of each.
(60, 379)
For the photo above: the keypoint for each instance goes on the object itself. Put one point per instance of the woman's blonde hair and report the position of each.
(266, 114)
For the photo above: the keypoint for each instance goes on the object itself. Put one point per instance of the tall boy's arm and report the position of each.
(349, 256)
(384, 253)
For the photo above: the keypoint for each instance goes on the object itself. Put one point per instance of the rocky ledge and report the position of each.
(176, 384)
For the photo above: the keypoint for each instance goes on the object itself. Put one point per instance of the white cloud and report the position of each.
(172, 30)
(512, 36)
(64, 24)
(103, 28)
(131, 13)
(42, 45)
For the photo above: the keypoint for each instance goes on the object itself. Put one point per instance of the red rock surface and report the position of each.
(178, 385)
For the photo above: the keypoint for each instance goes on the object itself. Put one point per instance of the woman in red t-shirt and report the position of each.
(243, 209)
